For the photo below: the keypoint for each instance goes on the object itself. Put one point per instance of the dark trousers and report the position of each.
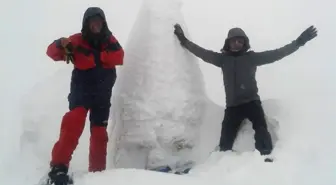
(92, 89)
(98, 104)
(232, 122)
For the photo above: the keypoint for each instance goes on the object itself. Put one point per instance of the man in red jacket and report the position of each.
(94, 52)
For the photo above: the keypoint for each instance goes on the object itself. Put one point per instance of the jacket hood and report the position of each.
(90, 12)
(236, 32)
(93, 11)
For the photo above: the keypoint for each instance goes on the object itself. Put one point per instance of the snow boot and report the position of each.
(58, 175)
(183, 172)
(268, 159)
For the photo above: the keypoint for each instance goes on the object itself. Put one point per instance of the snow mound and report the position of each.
(159, 97)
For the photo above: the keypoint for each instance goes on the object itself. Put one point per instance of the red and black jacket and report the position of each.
(94, 70)
(110, 54)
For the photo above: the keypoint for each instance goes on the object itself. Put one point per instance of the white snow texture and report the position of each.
(168, 105)
(160, 97)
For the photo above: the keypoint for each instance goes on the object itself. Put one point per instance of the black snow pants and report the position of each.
(233, 119)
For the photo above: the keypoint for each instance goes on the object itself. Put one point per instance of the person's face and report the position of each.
(96, 24)
(236, 44)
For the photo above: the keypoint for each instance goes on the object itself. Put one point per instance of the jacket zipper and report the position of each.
(234, 80)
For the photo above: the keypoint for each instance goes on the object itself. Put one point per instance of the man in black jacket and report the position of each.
(239, 68)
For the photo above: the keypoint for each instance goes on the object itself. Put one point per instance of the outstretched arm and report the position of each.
(206, 55)
(270, 56)
(267, 57)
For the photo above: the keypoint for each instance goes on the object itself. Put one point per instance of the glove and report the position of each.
(64, 42)
(69, 56)
(180, 34)
(68, 48)
(306, 36)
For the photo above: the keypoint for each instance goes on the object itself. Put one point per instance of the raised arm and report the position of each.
(206, 55)
(270, 56)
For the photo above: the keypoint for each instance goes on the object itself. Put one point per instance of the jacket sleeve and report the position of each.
(55, 51)
(113, 55)
(270, 56)
(206, 55)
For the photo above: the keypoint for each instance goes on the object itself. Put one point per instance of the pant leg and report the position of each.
(72, 126)
(263, 141)
(232, 120)
(99, 115)
(100, 101)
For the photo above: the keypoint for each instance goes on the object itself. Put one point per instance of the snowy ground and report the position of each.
(298, 92)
